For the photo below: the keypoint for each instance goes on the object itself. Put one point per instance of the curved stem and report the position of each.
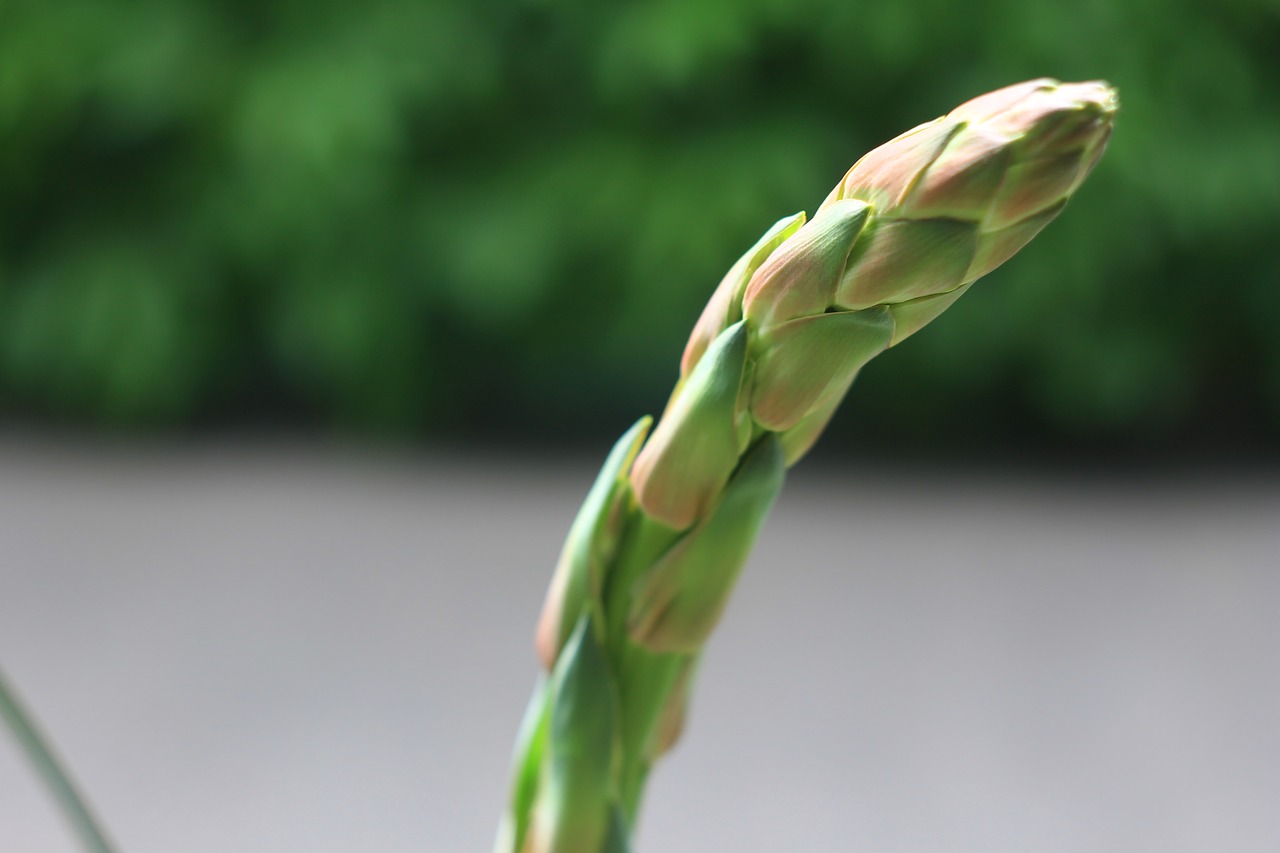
(39, 751)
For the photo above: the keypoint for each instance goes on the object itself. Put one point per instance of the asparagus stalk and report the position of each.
(654, 552)
(59, 782)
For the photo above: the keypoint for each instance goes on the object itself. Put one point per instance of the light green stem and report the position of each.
(64, 791)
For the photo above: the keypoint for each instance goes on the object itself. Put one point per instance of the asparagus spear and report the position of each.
(654, 552)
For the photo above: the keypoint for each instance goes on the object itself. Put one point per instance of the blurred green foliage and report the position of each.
(501, 217)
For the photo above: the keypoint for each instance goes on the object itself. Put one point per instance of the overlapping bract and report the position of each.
(898, 240)
(654, 553)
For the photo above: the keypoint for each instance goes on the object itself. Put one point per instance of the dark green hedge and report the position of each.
(488, 218)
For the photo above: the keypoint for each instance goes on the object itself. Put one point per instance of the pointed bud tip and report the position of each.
(1036, 95)
(1099, 93)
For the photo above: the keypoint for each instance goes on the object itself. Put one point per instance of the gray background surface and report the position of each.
(293, 649)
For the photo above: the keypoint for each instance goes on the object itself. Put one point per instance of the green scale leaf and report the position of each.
(588, 548)
(576, 793)
(696, 445)
(677, 604)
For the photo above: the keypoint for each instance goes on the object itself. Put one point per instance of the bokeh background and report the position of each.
(495, 220)
(317, 318)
